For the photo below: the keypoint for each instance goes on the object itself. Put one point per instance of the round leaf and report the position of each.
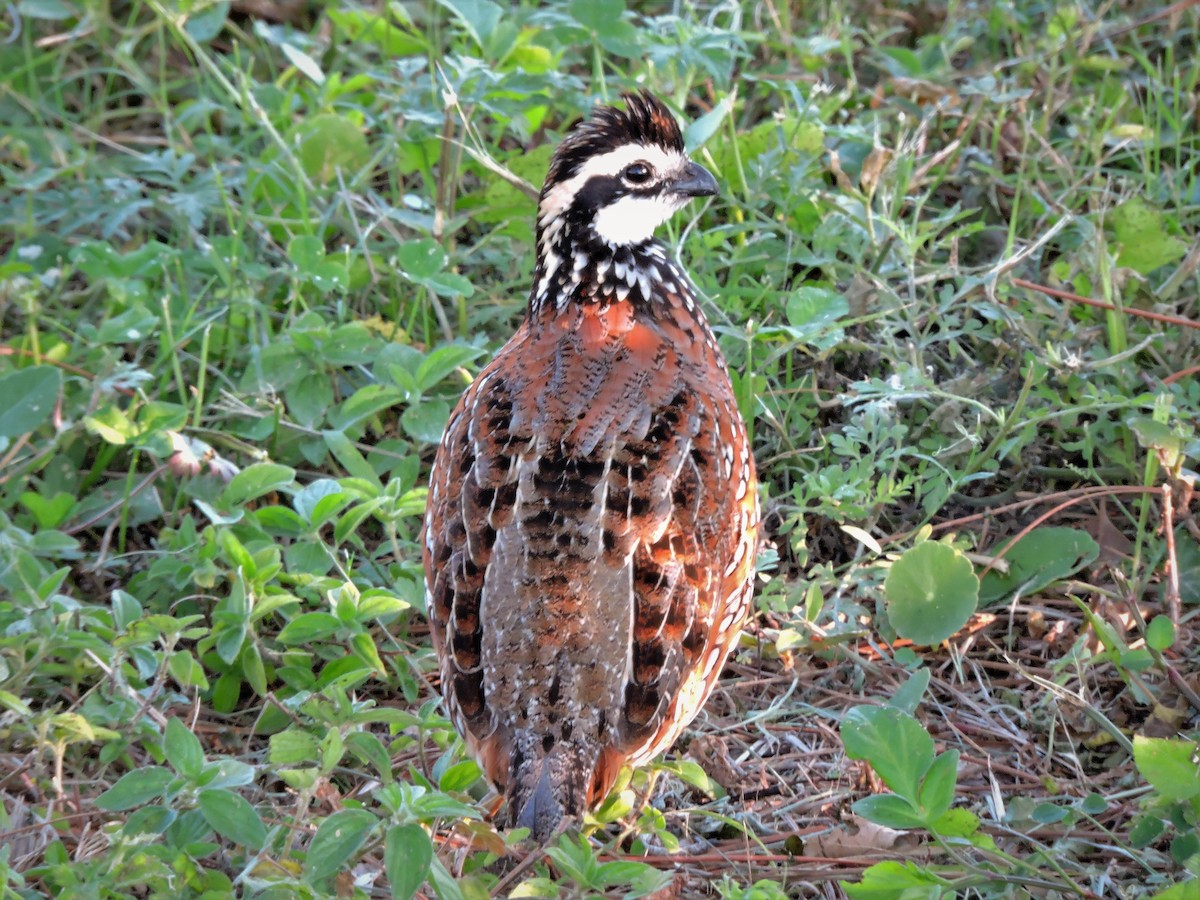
(931, 591)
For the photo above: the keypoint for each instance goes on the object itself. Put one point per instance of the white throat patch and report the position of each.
(632, 219)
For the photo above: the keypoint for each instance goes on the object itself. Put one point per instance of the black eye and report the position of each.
(637, 173)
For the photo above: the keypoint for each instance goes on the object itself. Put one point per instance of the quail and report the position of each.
(592, 517)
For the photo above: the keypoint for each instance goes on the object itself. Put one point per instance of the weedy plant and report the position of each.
(250, 257)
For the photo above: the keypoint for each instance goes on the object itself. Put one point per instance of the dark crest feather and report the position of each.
(644, 120)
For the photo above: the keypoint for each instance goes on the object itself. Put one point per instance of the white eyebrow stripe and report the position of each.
(560, 197)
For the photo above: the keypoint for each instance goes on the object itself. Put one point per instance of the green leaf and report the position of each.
(313, 626)
(231, 816)
(135, 788)
(908, 697)
(1038, 560)
(478, 17)
(1145, 236)
(370, 749)
(1169, 765)
(441, 362)
(697, 133)
(407, 854)
(1160, 633)
(255, 481)
(931, 592)
(330, 143)
(49, 513)
(303, 62)
(898, 881)
(426, 421)
(937, 788)
(894, 743)
(336, 841)
(183, 749)
(29, 398)
(423, 262)
(890, 811)
(813, 313)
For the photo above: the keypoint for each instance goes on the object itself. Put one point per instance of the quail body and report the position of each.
(592, 518)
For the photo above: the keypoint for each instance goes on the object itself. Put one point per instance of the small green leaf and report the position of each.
(894, 880)
(183, 749)
(1160, 633)
(1145, 235)
(931, 592)
(336, 841)
(893, 742)
(313, 626)
(407, 853)
(908, 697)
(1169, 765)
(937, 788)
(890, 811)
(813, 313)
(49, 513)
(135, 788)
(303, 62)
(29, 397)
(231, 816)
(330, 143)
(1038, 560)
(426, 421)
(255, 481)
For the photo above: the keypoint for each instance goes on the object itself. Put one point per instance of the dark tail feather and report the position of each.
(547, 786)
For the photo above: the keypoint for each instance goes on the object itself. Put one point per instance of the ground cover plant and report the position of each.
(251, 253)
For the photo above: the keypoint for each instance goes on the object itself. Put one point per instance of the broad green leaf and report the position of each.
(313, 626)
(894, 743)
(135, 788)
(1160, 633)
(898, 881)
(183, 749)
(336, 841)
(1146, 236)
(931, 592)
(1038, 560)
(890, 811)
(937, 788)
(255, 481)
(49, 512)
(231, 816)
(29, 397)
(813, 314)
(330, 143)
(1170, 765)
(426, 421)
(407, 853)
(370, 749)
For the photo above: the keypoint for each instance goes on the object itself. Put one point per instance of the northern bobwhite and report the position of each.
(590, 538)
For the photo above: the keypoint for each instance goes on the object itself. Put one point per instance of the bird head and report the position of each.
(618, 175)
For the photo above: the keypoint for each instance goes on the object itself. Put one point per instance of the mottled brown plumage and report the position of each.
(590, 536)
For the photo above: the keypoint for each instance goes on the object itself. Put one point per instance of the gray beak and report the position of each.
(696, 181)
